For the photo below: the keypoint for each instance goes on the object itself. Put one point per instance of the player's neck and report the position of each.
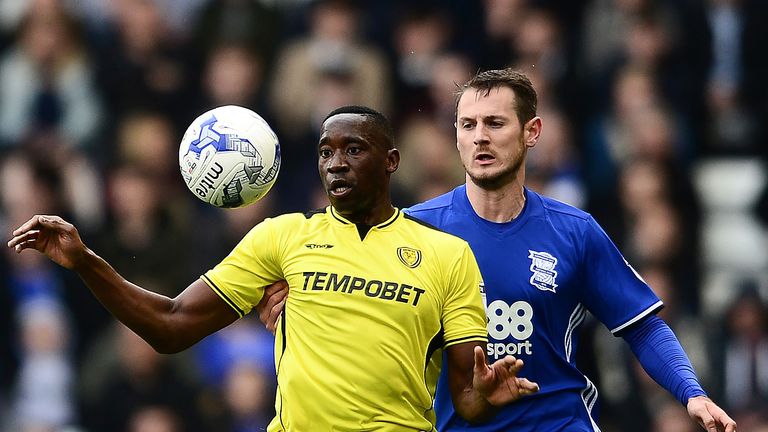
(370, 217)
(502, 204)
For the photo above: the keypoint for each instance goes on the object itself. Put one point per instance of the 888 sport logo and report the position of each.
(505, 320)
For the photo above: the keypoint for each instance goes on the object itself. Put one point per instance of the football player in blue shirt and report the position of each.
(544, 265)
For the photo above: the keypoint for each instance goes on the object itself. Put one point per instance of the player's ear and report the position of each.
(393, 160)
(456, 127)
(532, 131)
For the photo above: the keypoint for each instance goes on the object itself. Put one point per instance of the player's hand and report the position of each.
(272, 304)
(710, 416)
(52, 236)
(499, 383)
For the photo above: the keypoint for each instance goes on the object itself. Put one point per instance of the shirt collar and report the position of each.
(344, 221)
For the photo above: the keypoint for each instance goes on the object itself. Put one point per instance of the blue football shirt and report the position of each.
(542, 272)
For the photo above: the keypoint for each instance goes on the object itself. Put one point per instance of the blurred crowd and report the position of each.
(655, 120)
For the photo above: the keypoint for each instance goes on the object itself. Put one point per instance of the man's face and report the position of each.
(489, 137)
(354, 164)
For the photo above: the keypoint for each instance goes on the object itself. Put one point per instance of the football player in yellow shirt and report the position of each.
(377, 297)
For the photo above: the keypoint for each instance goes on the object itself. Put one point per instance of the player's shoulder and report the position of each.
(295, 217)
(436, 211)
(440, 202)
(431, 236)
(290, 220)
(423, 226)
(559, 210)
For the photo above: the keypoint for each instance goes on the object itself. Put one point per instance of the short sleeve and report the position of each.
(463, 312)
(252, 265)
(613, 291)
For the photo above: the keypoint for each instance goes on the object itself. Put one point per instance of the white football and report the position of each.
(229, 157)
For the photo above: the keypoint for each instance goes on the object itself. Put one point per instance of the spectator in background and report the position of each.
(648, 34)
(606, 24)
(638, 125)
(44, 394)
(49, 105)
(654, 237)
(553, 167)
(149, 141)
(179, 14)
(420, 40)
(245, 341)
(247, 390)
(450, 68)
(744, 355)
(129, 381)
(422, 35)
(45, 80)
(238, 41)
(40, 396)
(659, 220)
(653, 45)
(429, 167)
(145, 239)
(731, 127)
(155, 419)
(237, 366)
(426, 140)
(72, 176)
(142, 64)
(607, 136)
(735, 89)
(29, 186)
(332, 48)
(540, 50)
(251, 24)
(234, 74)
(502, 22)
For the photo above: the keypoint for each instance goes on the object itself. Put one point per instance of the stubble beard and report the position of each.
(499, 179)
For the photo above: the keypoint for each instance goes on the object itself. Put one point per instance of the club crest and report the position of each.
(409, 256)
(543, 268)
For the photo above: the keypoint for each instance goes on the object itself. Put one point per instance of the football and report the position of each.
(229, 157)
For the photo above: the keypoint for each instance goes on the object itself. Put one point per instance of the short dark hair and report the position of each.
(379, 119)
(518, 82)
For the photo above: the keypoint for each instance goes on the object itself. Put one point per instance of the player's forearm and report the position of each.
(145, 312)
(473, 407)
(661, 355)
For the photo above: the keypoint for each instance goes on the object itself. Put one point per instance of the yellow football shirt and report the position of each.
(360, 342)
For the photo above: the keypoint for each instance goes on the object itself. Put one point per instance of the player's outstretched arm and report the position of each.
(710, 416)
(478, 389)
(169, 325)
(663, 358)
